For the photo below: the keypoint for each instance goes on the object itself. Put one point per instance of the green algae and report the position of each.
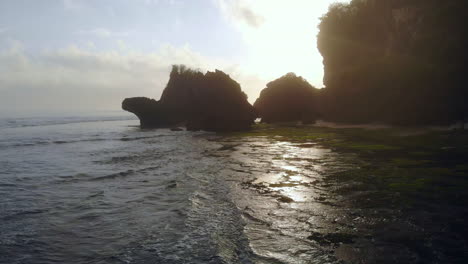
(405, 162)
(363, 146)
(391, 162)
(328, 239)
(287, 132)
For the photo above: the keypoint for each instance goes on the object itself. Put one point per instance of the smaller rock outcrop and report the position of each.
(211, 102)
(289, 98)
(152, 114)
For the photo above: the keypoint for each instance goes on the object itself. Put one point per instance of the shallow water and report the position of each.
(103, 191)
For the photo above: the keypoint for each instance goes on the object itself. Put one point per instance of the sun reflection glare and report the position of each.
(293, 172)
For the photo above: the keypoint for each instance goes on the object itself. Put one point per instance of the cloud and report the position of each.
(3, 30)
(280, 36)
(241, 11)
(173, 3)
(104, 33)
(250, 17)
(72, 4)
(80, 78)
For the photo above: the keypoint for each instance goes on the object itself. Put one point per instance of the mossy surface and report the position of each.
(411, 164)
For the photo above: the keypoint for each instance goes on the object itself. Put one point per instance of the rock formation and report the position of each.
(151, 113)
(211, 102)
(289, 98)
(395, 61)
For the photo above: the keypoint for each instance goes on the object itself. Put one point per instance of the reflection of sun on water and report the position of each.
(297, 178)
(292, 183)
(293, 172)
(289, 168)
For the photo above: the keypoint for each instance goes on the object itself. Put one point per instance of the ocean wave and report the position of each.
(21, 213)
(126, 173)
(60, 142)
(88, 177)
(46, 142)
(114, 175)
(50, 121)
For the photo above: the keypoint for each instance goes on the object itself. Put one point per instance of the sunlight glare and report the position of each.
(285, 41)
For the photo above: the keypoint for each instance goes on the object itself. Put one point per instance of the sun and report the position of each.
(285, 40)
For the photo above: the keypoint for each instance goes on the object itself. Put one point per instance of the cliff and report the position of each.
(394, 61)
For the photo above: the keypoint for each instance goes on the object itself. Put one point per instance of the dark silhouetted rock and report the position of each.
(400, 62)
(211, 102)
(289, 98)
(150, 112)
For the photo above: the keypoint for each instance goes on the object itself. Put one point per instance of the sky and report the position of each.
(88, 55)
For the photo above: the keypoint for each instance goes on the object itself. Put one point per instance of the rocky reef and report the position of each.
(289, 98)
(211, 102)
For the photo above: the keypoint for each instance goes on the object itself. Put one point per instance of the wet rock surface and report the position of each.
(297, 211)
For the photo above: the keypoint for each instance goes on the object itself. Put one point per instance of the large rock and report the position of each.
(289, 98)
(400, 62)
(211, 101)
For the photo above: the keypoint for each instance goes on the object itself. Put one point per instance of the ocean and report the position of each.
(98, 189)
